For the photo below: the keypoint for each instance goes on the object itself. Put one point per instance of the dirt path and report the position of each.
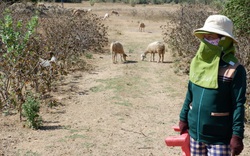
(122, 109)
(115, 110)
(127, 109)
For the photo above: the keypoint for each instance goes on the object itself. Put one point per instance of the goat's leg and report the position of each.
(153, 57)
(162, 58)
(159, 60)
(121, 57)
(113, 57)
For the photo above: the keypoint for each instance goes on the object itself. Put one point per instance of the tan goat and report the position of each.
(117, 48)
(153, 48)
(141, 26)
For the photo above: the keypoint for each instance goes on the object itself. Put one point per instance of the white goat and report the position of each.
(117, 48)
(47, 63)
(105, 16)
(141, 26)
(153, 48)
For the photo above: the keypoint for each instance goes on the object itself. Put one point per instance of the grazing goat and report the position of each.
(105, 16)
(115, 13)
(153, 48)
(117, 48)
(47, 63)
(78, 12)
(141, 26)
(41, 5)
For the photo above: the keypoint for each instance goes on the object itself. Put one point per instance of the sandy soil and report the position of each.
(124, 109)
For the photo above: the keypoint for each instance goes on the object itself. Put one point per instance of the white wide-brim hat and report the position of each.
(218, 24)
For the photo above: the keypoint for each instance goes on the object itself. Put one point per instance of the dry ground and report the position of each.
(116, 109)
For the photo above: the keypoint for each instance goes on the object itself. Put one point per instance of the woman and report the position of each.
(213, 111)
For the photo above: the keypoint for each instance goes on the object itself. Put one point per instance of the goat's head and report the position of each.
(124, 57)
(143, 56)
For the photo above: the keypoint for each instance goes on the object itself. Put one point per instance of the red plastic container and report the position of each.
(181, 140)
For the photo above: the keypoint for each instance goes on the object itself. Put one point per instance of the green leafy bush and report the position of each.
(30, 110)
(132, 3)
(15, 57)
(92, 2)
(29, 34)
(238, 11)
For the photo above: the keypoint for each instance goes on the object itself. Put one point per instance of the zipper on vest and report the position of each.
(198, 117)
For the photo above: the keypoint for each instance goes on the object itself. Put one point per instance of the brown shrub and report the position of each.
(66, 36)
(178, 33)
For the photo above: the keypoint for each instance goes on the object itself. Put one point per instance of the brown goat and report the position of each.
(141, 26)
(115, 13)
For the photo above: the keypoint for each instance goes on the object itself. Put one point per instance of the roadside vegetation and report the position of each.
(28, 44)
(190, 16)
(24, 39)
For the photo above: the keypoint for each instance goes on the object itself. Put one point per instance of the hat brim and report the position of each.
(200, 32)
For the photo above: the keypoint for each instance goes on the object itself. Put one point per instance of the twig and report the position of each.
(133, 132)
(145, 147)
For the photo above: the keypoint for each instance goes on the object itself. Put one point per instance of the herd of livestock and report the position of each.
(116, 48)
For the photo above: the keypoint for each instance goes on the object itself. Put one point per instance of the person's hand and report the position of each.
(183, 127)
(236, 145)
